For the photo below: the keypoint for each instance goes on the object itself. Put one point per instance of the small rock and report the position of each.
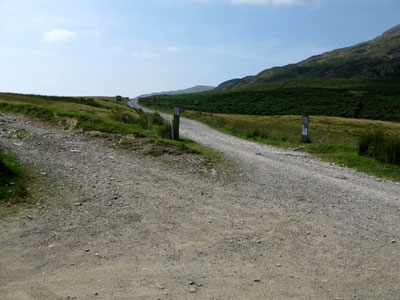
(51, 246)
(96, 294)
(78, 204)
(393, 242)
(29, 217)
(257, 280)
(193, 290)
(86, 249)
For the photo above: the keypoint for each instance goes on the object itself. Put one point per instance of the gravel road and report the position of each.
(273, 224)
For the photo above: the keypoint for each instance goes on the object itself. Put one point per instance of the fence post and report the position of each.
(175, 124)
(305, 134)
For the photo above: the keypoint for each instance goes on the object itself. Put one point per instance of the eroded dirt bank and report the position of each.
(112, 224)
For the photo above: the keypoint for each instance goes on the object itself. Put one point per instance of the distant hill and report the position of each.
(377, 58)
(195, 89)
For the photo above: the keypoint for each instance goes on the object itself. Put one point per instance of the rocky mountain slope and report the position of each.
(376, 58)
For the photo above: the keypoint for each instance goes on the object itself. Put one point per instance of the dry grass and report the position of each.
(331, 130)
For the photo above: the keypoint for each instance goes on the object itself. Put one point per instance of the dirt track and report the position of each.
(118, 225)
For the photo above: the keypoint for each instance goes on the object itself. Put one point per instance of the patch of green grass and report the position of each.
(12, 179)
(349, 157)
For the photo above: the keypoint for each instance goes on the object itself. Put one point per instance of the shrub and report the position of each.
(124, 117)
(383, 148)
(165, 131)
(12, 182)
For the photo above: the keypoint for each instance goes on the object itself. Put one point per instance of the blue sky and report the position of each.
(99, 47)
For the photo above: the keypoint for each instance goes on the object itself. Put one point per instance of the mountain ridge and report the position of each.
(376, 58)
(194, 89)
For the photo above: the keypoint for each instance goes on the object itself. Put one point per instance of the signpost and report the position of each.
(175, 124)
(305, 135)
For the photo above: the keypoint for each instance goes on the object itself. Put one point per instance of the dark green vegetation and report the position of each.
(377, 99)
(382, 147)
(377, 58)
(12, 179)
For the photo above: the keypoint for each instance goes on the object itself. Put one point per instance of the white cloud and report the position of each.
(174, 49)
(58, 35)
(277, 2)
(144, 54)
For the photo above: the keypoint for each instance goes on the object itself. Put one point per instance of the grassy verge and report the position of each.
(105, 117)
(333, 139)
(12, 180)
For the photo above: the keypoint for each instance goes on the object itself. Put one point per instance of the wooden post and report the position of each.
(175, 124)
(305, 134)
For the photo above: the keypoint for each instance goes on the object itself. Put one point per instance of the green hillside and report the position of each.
(377, 58)
(377, 99)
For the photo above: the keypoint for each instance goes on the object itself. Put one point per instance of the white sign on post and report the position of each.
(304, 129)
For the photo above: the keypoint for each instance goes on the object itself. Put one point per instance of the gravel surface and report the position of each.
(273, 224)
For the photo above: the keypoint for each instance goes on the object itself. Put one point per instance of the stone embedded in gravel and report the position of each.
(257, 280)
(29, 217)
(86, 249)
(78, 204)
(193, 290)
(393, 241)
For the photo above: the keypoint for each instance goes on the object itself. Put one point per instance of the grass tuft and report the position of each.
(380, 146)
(12, 179)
